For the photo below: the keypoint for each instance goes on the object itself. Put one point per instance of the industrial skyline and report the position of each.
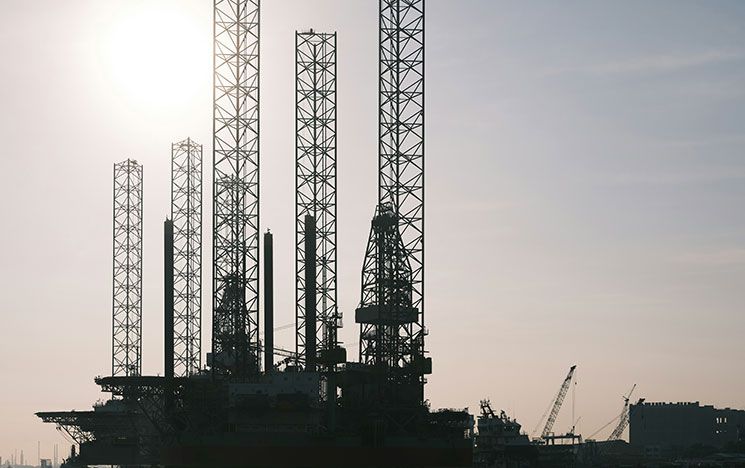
(444, 395)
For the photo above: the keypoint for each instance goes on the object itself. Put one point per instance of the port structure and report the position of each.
(186, 215)
(235, 328)
(391, 310)
(317, 317)
(126, 357)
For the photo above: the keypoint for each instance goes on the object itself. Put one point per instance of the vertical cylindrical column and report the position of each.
(268, 302)
(310, 293)
(168, 296)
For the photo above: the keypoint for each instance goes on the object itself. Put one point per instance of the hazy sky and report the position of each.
(585, 188)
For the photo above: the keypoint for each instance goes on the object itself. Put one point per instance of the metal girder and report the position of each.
(87, 426)
(315, 183)
(70, 424)
(127, 269)
(401, 130)
(235, 338)
(186, 213)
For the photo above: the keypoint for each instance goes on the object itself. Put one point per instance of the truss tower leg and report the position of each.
(127, 271)
(315, 194)
(235, 328)
(186, 214)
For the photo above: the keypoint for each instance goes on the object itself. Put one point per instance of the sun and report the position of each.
(156, 53)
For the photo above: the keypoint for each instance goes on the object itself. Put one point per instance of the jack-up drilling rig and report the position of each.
(313, 409)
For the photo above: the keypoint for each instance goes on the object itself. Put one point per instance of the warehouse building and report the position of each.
(661, 429)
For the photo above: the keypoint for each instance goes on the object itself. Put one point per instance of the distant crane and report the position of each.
(556, 406)
(624, 418)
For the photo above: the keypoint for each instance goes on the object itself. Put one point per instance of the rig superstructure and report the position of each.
(313, 407)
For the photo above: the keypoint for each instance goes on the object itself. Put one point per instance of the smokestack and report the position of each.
(268, 302)
(168, 295)
(310, 293)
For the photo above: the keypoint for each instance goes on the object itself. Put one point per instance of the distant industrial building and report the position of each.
(664, 428)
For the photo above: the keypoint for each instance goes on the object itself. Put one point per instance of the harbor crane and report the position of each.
(624, 418)
(556, 406)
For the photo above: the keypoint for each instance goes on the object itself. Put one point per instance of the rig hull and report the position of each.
(317, 452)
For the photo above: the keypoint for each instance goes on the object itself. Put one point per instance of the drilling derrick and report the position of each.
(317, 316)
(391, 311)
(186, 213)
(386, 307)
(127, 273)
(235, 338)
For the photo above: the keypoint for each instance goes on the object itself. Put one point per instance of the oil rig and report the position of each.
(253, 404)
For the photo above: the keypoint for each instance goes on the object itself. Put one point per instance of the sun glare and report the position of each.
(157, 55)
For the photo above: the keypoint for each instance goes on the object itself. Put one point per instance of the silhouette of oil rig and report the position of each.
(254, 404)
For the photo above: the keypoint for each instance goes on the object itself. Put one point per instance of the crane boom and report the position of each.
(621, 426)
(624, 418)
(558, 402)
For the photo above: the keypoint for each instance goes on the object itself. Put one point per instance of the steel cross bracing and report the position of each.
(624, 418)
(558, 401)
(127, 269)
(622, 424)
(235, 338)
(386, 306)
(400, 185)
(401, 130)
(186, 213)
(315, 182)
(70, 424)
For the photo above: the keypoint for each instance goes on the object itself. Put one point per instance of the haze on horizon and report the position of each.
(585, 187)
